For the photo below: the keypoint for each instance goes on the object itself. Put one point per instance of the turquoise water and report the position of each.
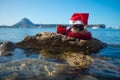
(107, 60)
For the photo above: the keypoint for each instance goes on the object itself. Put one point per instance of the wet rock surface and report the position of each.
(48, 42)
(6, 48)
(51, 45)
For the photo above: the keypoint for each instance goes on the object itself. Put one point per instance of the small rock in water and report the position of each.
(6, 48)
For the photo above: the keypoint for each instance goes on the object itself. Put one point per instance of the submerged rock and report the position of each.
(36, 69)
(6, 48)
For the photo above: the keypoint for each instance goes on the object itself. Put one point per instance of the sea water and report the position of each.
(107, 60)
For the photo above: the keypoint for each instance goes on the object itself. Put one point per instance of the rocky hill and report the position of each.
(24, 23)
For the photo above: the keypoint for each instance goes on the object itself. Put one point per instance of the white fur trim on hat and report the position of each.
(76, 22)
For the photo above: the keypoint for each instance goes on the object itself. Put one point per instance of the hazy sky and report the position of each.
(59, 11)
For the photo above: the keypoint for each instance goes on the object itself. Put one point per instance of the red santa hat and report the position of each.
(79, 18)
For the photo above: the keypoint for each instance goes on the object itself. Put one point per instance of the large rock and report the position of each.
(6, 48)
(48, 42)
(52, 45)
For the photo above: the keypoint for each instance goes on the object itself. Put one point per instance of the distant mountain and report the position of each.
(24, 23)
(4, 26)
